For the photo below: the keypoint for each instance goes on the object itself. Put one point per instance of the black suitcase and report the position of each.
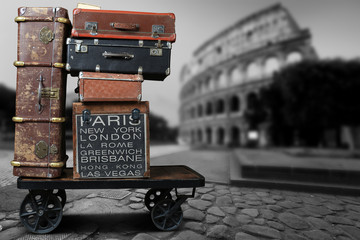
(148, 58)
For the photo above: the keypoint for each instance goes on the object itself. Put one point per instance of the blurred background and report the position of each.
(245, 74)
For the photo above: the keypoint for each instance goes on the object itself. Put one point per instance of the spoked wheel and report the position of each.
(41, 211)
(61, 195)
(153, 196)
(165, 217)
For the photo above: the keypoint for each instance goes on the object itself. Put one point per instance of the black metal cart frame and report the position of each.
(41, 209)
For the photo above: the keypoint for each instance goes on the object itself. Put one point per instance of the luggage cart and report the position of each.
(42, 209)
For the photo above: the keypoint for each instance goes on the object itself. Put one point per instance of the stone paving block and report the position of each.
(203, 190)
(339, 220)
(2, 215)
(188, 235)
(318, 223)
(219, 232)
(144, 236)
(244, 219)
(294, 236)
(223, 201)
(216, 211)
(252, 212)
(195, 226)
(8, 224)
(262, 231)
(199, 204)
(267, 214)
(208, 197)
(293, 221)
(276, 225)
(193, 214)
(245, 236)
(317, 235)
(229, 210)
(334, 207)
(210, 219)
(231, 221)
(259, 221)
(275, 208)
(317, 211)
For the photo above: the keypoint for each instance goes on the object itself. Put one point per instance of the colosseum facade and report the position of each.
(226, 73)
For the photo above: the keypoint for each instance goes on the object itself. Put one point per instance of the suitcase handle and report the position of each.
(126, 56)
(41, 79)
(125, 26)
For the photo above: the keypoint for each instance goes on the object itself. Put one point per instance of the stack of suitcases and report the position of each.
(111, 53)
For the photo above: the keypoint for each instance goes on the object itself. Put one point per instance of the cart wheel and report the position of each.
(41, 211)
(154, 195)
(61, 195)
(164, 217)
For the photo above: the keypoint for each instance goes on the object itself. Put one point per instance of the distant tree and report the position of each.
(7, 106)
(159, 129)
(306, 98)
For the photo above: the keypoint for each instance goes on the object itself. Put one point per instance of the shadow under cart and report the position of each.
(42, 209)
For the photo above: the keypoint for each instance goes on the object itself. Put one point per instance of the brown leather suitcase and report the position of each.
(93, 23)
(109, 87)
(111, 140)
(39, 149)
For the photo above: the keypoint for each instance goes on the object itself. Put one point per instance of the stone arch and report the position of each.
(199, 136)
(235, 136)
(272, 64)
(200, 112)
(236, 75)
(220, 136)
(234, 103)
(294, 57)
(220, 106)
(208, 133)
(222, 79)
(209, 109)
(253, 70)
(252, 100)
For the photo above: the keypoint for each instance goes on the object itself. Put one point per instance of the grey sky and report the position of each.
(334, 25)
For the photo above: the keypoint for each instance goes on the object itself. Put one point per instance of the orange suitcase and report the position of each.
(109, 87)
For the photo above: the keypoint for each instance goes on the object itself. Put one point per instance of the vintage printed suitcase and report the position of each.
(148, 58)
(109, 87)
(123, 25)
(40, 92)
(111, 140)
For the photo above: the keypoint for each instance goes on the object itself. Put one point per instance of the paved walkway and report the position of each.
(217, 212)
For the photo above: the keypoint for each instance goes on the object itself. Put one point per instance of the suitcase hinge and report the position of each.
(41, 149)
(52, 93)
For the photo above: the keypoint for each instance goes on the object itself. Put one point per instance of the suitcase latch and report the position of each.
(92, 26)
(79, 47)
(135, 115)
(156, 30)
(86, 116)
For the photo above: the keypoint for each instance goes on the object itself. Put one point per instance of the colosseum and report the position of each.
(223, 79)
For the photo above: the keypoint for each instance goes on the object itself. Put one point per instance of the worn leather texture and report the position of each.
(109, 87)
(40, 93)
(123, 25)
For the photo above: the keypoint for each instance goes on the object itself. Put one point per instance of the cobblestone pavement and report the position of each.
(216, 212)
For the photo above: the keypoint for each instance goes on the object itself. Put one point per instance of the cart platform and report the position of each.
(42, 209)
(175, 176)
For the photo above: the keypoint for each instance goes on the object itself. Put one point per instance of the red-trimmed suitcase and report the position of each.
(40, 92)
(92, 23)
(105, 87)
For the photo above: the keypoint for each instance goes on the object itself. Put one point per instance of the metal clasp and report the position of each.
(92, 26)
(135, 115)
(86, 116)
